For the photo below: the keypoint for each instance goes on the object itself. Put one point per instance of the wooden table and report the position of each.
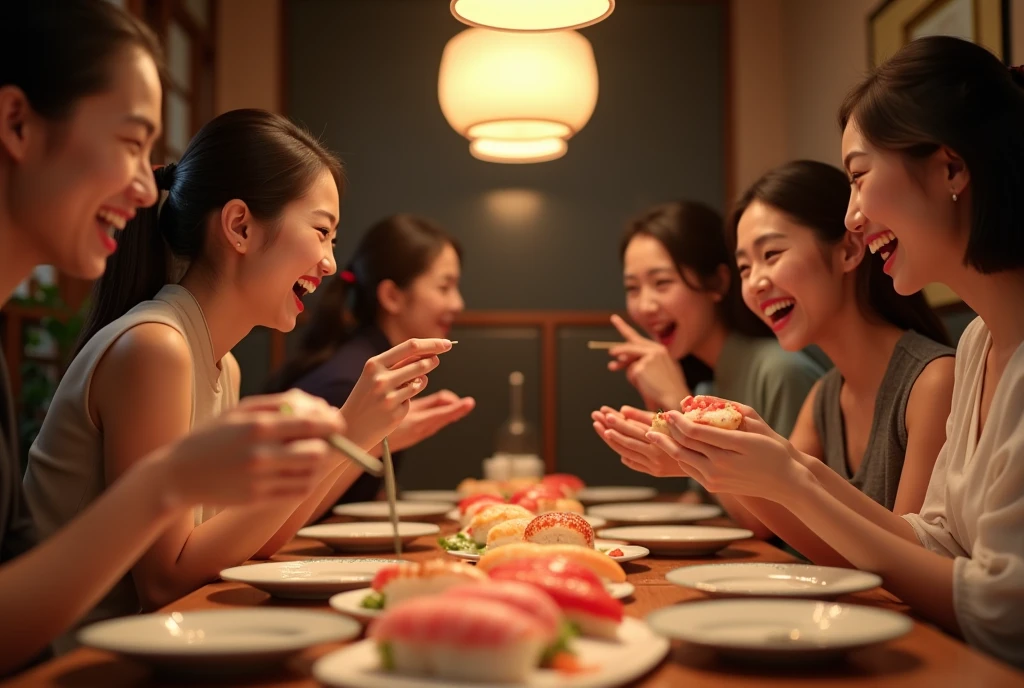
(924, 658)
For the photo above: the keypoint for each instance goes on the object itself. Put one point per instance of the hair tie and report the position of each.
(347, 276)
(164, 176)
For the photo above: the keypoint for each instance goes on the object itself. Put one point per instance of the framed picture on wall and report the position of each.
(897, 22)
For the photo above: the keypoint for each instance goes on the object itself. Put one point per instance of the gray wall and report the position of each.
(362, 74)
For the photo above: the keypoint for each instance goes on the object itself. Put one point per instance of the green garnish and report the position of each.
(460, 542)
(375, 600)
(387, 658)
(566, 633)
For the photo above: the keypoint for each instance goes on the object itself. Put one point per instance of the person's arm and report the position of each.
(157, 361)
(928, 408)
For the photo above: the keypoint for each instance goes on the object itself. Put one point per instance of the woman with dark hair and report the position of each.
(251, 208)
(682, 289)
(79, 111)
(934, 149)
(401, 282)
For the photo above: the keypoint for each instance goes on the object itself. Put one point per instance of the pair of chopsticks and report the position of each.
(371, 464)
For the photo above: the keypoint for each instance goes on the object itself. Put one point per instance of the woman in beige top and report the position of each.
(252, 208)
(80, 109)
(934, 147)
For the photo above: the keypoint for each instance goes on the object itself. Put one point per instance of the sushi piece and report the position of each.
(575, 589)
(568, 485)
(531, 497)
(437, 637)
(479, 503)
(708, 410)
(508, 532)
(599, 563)
(401, 582)
(513, 485)
(523, 596)
(567, 505)
(472, 486)
(490, 516)
(557, 528)
(659, 424)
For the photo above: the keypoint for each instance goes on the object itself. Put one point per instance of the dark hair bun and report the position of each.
(1017, 74)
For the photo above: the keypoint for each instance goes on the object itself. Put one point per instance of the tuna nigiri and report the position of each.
(486, 641)
(568, 484)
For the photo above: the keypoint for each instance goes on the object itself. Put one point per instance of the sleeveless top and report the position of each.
(879, 473)
(66, 469)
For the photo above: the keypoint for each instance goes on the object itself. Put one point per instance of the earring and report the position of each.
(954, 196)
(239, 243)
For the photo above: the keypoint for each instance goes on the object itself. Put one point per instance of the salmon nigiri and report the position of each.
(410, 579)
(598, 562)
(485, 641)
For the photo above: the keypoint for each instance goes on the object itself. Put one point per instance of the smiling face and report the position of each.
(906, 211)
(659, 301)
(428, 306)
(789, 278)
(297, 253)
(74, 183)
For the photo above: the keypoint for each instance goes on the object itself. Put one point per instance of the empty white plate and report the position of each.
(217, 639)
(350, 602)
(450, 496)
(310, 579)
(773, 580)
(378, 511)
(774, 629)
(678, 540)
(636, 651)
(367, 536)
(655, 512)
(629, 552)
(623, 493)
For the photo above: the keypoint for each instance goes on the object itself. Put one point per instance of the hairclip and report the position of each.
(347, 276)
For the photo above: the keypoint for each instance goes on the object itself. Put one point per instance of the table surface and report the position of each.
(924, 658)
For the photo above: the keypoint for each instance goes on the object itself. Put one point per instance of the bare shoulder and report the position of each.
(932, 391)
(147, 349)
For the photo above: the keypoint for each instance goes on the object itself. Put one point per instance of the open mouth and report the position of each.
(664, 333)
(883, 243)
(303, 286)
(777, 310)
(110, 223)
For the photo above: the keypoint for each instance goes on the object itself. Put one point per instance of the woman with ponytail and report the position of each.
(401, 282)
(79, 112)
(933, 146)
(250, 218)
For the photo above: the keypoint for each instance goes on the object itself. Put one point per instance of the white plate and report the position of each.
(350, 602)
(773, 580)
(678, 540)
(449, 496)
(594, 521)
(651, 513)
(778, 629)
(378, 511)
(637, 651)
(624, 493)
(367, 536)
(629, 552)
(312, 579)
(218, 639)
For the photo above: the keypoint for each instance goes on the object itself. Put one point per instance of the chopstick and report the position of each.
(371, 464)
(602, 345)
(389, 489)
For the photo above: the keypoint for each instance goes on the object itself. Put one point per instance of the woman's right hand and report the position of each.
(253, 452)
(625, 432)
(380, 399)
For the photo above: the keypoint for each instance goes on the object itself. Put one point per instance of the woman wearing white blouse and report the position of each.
(933, 142)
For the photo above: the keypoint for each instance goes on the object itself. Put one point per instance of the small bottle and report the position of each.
(516, 437)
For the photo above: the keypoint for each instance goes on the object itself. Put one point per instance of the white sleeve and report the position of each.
(988, 587)
(930, 525)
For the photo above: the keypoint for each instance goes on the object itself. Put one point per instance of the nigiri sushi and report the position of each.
(472, 486)
(529, 497)
(523, 596)
(568, 484)
(557, 528)
(600, 563)
(491, 516)
(580, 594)
(476, 504)
(508, 532)
(409, 579)
(486, 641)
(513, 485)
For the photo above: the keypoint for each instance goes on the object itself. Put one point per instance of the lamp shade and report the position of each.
(535, 90)
(531, 15)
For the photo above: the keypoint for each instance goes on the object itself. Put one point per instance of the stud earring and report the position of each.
(954, 197)
(239, 243)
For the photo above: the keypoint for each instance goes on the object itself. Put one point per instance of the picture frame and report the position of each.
(894, 23)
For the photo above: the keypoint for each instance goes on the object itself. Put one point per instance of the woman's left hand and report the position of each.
(753, 461)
